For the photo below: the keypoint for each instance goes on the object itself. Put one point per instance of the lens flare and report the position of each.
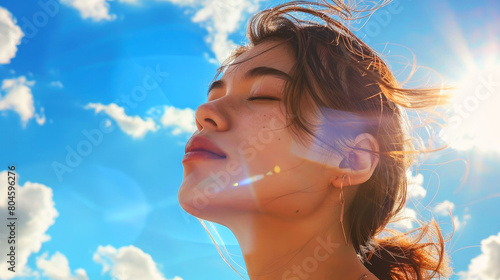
(255, 178)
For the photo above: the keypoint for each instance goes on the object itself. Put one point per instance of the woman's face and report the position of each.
(264, 169)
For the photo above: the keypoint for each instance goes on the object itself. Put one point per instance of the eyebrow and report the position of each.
(253, 73)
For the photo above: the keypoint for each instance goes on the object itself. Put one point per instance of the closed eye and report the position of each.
(262, 97)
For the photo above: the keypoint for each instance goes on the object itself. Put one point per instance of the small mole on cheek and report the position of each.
(296, 211)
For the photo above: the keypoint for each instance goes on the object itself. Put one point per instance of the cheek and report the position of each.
(286, 182)
(261, 137)
(300, 185)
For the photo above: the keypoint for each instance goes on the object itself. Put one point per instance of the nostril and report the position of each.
(211, 121)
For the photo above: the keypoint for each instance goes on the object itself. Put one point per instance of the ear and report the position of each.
(358, 163)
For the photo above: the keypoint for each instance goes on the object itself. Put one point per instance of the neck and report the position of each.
(296, 249)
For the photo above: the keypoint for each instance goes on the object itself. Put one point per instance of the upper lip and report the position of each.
(201, 143)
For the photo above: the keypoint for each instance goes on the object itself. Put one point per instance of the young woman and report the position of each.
(302, 150)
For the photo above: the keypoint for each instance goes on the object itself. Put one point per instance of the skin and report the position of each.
(287, 223)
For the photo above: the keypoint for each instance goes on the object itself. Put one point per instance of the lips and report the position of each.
(201, 143)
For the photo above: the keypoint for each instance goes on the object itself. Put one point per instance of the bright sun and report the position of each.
(475, 119)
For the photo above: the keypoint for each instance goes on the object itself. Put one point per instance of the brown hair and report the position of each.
(336, 70)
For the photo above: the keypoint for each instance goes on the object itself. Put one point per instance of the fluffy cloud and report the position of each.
(181, 120)
(57, 268)
(40, 118)
(96, 10)
(10, 36)
(405, 218)
(444, 208)
(415, 188)
(18, 97)
(33, 220)
(485, 266)
(221, 18)
(128, 263)
(134, 126)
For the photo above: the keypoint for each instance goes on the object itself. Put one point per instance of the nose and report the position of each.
(209, 116)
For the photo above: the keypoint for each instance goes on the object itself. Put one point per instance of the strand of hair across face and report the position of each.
(217, 246)
(224, 245)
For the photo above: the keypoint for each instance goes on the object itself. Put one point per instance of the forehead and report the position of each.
(269, 53)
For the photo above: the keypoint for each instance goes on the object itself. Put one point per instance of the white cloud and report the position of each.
(96, 10)
(10, 36)
(40, 118)
(415, 188)
(134, 126)
(485, 266)
(408, 216)
(129, 1)
(221, 18)
(18, 97)
(57, 268)
(128, 263)
(181, 120)
(107, 123)
(405, 218)
(34, 218)
(444, 208)
(182, 2)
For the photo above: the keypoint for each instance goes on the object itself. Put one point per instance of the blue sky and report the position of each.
(97, 103)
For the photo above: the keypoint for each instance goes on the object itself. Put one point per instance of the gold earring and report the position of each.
(342, 211)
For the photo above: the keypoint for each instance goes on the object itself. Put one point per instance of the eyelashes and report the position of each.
(262, 98)
(251, 98)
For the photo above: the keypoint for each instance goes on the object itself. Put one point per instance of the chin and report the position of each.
(195, 202)
(186, 199)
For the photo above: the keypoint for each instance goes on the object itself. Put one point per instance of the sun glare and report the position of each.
(475, 115)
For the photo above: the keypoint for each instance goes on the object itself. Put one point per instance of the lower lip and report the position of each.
(200, 155)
